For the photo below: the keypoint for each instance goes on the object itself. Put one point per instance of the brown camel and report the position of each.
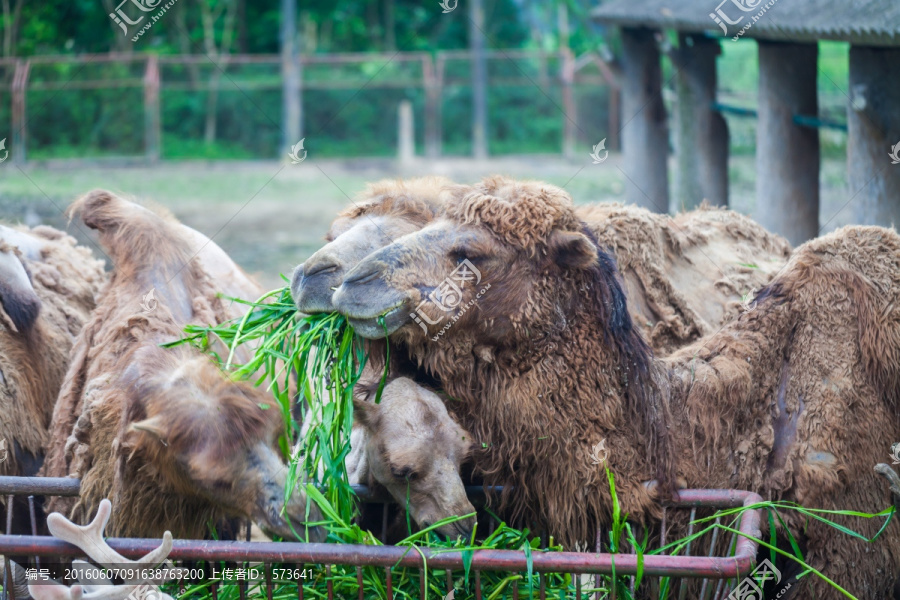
(795, 399)
(48, 286)
(165, 434)
(410, 445)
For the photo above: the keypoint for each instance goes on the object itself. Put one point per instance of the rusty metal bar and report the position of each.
(387, 556)
(69, 486)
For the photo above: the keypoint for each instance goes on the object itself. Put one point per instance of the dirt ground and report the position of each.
(271, 216)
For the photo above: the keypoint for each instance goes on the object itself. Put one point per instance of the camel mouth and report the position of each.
(382, 325)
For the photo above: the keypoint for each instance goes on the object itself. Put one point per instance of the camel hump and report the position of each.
(130, 233)
(20, 304)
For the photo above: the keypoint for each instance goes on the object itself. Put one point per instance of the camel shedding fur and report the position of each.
(163, 433)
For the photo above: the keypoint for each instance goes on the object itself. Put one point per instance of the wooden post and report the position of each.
(873, 130)
(701, 142)
(152, 121)
(614, 118)
(570, 114)
(290, 76)
(479, 79)
(20, 84)
(645, 137)
(787, 155)
(432, 109)
(406, 138)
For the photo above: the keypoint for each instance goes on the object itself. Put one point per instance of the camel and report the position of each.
(410, 445)
(164, 434)
(685, 275)
(48, 287)
(795, 399)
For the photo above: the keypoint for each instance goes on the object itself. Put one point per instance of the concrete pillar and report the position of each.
(701, 133)
(787, 155)
(873, 131)
(645, 136)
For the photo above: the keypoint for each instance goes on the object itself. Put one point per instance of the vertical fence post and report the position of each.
(406, 137)
(479, 80)
(290, 74)
(570, 111)
(20, 83)
(152, 120)
(432, 109)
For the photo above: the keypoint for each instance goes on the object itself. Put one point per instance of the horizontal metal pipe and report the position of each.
(69, 486)
(388, 556)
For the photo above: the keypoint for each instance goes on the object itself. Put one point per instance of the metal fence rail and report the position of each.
(390, 558)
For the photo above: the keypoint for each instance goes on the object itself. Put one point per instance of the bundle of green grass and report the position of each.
(316, 360)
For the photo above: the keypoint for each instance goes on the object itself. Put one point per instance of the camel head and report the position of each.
(507, 259)
(210, 439)
(415, 449)
(385, 211)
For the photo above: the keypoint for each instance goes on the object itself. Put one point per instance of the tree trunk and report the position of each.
(390, 39)
(209, 18)
(11, 19)
(645, 135)
(787, 155)
(873, 123)
(701, 142)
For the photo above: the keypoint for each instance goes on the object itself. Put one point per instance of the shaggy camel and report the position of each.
(410, 445)
(48, 286)
(164, 434)
(795, 399)
(685, 275)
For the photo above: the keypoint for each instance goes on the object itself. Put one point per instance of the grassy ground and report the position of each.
(270, 216)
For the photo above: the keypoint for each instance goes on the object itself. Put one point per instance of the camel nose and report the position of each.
(322, 265)
(362, 276)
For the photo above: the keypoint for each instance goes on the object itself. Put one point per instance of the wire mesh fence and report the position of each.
(147, 107)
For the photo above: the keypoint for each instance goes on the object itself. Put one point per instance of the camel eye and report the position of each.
(407, 473)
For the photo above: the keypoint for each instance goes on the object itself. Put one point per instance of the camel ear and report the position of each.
(366, 413)
(153, 426)
(571, 250)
